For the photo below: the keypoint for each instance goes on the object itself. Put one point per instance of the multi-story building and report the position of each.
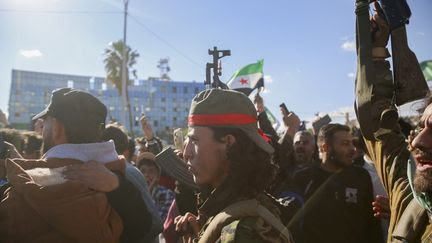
(165, 103)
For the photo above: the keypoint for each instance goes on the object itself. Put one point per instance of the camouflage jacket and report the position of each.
(246, 220)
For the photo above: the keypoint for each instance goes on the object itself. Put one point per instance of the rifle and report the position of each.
(217, 69)
(409, 81)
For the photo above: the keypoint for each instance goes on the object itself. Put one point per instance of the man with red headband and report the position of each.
(232, 162)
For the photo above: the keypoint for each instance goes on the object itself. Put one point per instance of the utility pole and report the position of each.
(124, 70)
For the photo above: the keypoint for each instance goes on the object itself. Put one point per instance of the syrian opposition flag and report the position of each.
(248, 78)
(273, 120)
(426, 67)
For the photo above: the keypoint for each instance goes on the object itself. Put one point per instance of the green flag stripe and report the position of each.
(426, 67)
(250, 69)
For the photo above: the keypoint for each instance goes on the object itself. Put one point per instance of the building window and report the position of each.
(174, 89)
(175, 109)
(185, 90)
(17, 114)
(155, 123)
(196, 90)
(92, 83)
(174, 100)
(163, 99)
(163, 109)
(70, 84)
(163, 89)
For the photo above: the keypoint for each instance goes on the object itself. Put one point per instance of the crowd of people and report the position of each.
(76, 179)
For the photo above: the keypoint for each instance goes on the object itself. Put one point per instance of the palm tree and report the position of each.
(113, 66)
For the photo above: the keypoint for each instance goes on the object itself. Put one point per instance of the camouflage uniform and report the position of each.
(237, 227)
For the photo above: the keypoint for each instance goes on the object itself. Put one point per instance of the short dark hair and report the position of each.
(250, 167)
(131, 148)
(118, 135)
(326, 133)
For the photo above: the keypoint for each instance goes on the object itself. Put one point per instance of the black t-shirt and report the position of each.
(338, 207)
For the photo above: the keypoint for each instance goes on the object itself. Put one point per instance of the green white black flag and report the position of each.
(426, 67)
(248, 78)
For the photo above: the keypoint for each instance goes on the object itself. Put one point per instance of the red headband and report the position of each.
(220, 119)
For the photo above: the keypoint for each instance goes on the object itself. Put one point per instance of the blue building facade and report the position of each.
(165, 103)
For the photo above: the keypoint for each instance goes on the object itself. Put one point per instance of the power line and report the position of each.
(166, 42)
(106, 12)
(5, 10)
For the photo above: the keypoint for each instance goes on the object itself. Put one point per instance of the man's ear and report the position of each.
(229, 140)
(59, 132)
(324, 148)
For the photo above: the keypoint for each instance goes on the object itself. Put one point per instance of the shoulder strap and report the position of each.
(238, 210)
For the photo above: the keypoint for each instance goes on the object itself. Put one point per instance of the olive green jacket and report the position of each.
(409, 222)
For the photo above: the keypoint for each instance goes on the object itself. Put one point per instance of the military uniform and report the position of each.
(409, 221)
(229, 218)
(229, 213)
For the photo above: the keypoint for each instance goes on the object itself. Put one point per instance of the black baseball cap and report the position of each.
(75, 106)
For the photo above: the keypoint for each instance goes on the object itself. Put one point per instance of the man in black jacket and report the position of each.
(338, 195)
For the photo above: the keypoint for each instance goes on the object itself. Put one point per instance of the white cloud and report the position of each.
(268, 79)
(421, 33)
(351, 75)
(31, 53)
(349, 46)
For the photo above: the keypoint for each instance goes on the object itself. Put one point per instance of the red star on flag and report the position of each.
(243, 81)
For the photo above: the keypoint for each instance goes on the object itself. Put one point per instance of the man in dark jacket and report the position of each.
(65, 197)
(338, 196)
(407, 177)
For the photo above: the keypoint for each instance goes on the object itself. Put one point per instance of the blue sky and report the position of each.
(307, 46)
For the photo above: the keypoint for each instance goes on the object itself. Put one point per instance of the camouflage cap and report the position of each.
(227, 108)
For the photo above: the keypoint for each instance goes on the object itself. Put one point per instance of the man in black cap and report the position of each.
(70, 195)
